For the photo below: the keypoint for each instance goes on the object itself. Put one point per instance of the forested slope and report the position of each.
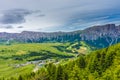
(102, 64)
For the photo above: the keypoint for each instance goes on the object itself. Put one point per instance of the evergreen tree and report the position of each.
(20, 78)
(60, 74)
(51, 68)
(75, 74)
(81, 62)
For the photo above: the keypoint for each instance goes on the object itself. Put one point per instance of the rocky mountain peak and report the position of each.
(98, 35)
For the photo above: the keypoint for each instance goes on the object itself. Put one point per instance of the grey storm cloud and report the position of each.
(7, 27)
(20, 27)
(41, 15)
(57, 15)
(15, 16)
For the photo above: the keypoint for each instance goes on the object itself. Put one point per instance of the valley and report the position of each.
(17, 59)
(59, 55)
(59, 39)
(102, 64)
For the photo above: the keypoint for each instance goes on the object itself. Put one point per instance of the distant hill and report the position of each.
(99, 36)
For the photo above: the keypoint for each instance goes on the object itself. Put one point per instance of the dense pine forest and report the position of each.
(102, 64)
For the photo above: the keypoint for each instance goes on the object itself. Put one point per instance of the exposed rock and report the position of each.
(98, 36)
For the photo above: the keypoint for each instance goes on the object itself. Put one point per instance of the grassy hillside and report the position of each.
(31, 51)
(102, 64)
(17, 59)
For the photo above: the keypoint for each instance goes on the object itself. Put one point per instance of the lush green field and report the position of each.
(16, 54)
(8, 69)
(32, 51)
(102, 64)
(21, 53)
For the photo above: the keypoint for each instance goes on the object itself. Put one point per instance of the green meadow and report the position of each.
(13, 56)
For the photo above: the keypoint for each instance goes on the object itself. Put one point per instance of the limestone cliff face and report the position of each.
(109, 34)
(99, 36)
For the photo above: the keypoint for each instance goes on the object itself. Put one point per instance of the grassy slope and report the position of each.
(7, 62)
(103, 64)
(9, 53)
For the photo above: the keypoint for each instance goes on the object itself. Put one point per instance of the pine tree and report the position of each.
(51, 68)
(60, 74)
(81, 62)
(20, 78)
(75, 74)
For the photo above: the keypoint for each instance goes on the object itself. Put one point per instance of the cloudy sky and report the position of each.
(56, 15)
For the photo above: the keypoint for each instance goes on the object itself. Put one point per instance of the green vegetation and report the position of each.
(31, 51)
(102, 64)
(21, 59)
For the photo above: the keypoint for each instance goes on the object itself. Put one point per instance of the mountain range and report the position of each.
(98, 36)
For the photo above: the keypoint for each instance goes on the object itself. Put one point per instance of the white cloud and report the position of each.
(59, 15)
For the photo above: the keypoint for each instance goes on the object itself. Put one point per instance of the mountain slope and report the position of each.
(97, 36)
(102, 64)
(101, 36)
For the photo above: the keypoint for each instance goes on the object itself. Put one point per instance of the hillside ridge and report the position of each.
(98, 36)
